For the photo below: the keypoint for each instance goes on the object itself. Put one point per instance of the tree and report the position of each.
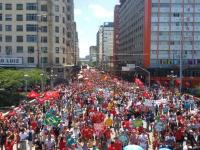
(14, 79)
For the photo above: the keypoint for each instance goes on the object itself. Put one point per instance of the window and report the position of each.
(19, 6)
(31, 38)
(30, 49)
(57, 8)
(20, 49)
(44, 29)
(8, 17)
(30, 60)
(63, 60)
(1, 6)
(63, 40)
(31, 17)
(68, 17)
(57, 39)
(8, 7)
(56, 18)
(0, 49)
(176, 14)
(44, 60)
(43, 39)
(63, 19)
(57, 60)
(19, 17)
(19, 28)
(8, 38)
(20, 38)
(1, 38)
(31, 6)
(63, 9)
(8, 50)
(44, 7)
(69, 34)
(57, 29)
(1, 28)
(57, 49)
(63, 30)
(31, 27)
(44, 49)
(1, 18)
(8, 27)
(44, 18)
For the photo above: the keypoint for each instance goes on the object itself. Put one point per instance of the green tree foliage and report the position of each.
(13, 79)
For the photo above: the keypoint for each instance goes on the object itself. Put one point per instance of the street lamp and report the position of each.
(42, 82)
(26, 82)
(52, 77)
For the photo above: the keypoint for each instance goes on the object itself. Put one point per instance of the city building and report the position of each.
(116, 36)
(161, 36)
(105, 46)
(99, 43)
(37, 33)
(93, 53)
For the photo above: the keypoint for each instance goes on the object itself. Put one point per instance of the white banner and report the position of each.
(11, 61)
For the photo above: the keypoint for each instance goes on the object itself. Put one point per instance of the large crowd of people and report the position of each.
(102, 112)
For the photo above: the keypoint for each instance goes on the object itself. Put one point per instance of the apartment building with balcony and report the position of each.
(37, 33)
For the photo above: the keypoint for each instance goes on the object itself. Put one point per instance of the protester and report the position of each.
(99, 111)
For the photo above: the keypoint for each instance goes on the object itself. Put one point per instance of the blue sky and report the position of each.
(89, 15)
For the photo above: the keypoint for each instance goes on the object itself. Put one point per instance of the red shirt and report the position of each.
(9, 146)
(118, 145)
(107, 134)
(62, 145)
(111, 147)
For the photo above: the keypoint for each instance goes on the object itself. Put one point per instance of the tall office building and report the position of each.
(105, 45)
(93, 53)
(116, 36)
(37, 33)
(157, 34)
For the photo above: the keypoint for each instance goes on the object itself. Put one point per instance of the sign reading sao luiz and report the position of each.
(11, 61)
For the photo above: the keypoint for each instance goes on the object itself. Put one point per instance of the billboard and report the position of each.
(11, 61)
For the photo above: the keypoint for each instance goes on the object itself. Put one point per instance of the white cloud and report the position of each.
(100, 12)
(77, 12)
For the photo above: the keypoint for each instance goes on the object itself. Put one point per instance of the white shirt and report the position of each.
(23, 136)
(49, 143)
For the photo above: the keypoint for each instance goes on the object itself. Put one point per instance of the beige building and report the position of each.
(105, 46)
(37, 33)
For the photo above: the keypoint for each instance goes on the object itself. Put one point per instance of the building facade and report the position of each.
(37, 33)
(116, 36)
(159, 34)
(105, 37)
(93, 53)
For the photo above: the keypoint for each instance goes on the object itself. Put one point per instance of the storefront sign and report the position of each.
(11, 61)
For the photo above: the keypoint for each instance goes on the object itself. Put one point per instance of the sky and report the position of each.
(89, 15)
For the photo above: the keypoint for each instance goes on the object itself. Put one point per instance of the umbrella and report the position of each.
(33, 95)
(133, 147)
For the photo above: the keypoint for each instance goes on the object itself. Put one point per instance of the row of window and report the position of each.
(33, 28)
(29, 28)
(29, 6)
(32, 6)
(175, 61)
(29, 38)
(33, 17)
(30, 49)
